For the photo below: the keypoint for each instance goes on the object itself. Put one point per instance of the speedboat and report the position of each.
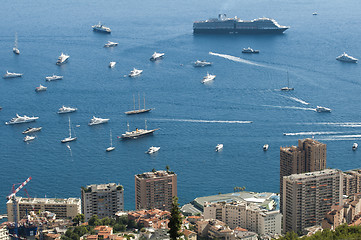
(346, 58)
(112, 64)
(111, 44)
(30, 130)
(21, 119)
(208, 78)
(54, 77)
(354, 146)
(314, 13)
(16, 51)
(249, 50)
(95, 121)
(199, 63)
(265, 147)
(63, 58)
(12, 75)
(64, 109)
(40, 88)
(322, 109)
(156, 56)
(15, 48)
(152, 150)
(135, 72)
(101, 28)
(28, 138)
(219, 147)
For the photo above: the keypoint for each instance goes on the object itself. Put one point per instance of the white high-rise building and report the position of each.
(103, 200)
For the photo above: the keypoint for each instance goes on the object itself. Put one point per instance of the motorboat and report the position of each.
(101, 28)
(12, 75)
(15, 48)
(346, 58)
(322, 109)
(199, 63)
(111, 44)
(111, 148)
(135, 72)
(249, 50)
(137, 132)
(70, 138)
(53, 78)
(21, 119)
(208, 77)
(152, 150)
(354, 146)
(112, 64)
(219, 147)
(28, 138)
(96, 121)
(314, 13)
(40, 88)
(63, 58)
(64, 109)
(31, 130)
(156, 56)
(288, 85)
(265, 147)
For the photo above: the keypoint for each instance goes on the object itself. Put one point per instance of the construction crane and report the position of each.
(12, 197)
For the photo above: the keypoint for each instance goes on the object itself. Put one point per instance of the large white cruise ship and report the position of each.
(63, 58)
(21, 119)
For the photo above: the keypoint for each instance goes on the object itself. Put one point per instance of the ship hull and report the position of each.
(238, 31)
(100, 31)
(138, 111)
(134, 136)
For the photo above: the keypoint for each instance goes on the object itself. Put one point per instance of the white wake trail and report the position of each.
(201, 121)
(291, 107)
(236, 59)
(299, 100)
(311, 133)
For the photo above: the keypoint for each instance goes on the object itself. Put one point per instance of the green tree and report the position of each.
(167, 168)
(94, 221)
(153, 170)
(175, 221)
(78, 219)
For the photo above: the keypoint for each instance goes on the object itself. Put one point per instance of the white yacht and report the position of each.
(156, 56)
(137, 133)
(354, 146)
(219, 147)
(111, 148)
(152, 150)
(112, 64)
(28, 138)
(70, 138)
(135, 72)
(21, 119)
(314, 13)
(95, 121)
(265, 147)
(12, 75)
(101, 28)
(249, 50)
(199, 63)
(322, 109)
(31, 130)
(63, 58)
(40, 88)
(346, 58)
(15, 48)
(208, 78)
(111, 44)
(53, 78)
(64, 109)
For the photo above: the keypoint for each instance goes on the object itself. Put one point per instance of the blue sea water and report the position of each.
(193, 117)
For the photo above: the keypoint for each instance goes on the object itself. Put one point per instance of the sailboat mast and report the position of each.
(111, 142)
(288, 80)
(139, 100)
(145, 121)
(134, 102)
(69, 129)
(144, 100)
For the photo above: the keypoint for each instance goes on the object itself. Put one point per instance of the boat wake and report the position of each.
(299, 100)
(342, 138)
(236, 59)
(341, 124)
(201, 121)
(291, 107)
(311, 133)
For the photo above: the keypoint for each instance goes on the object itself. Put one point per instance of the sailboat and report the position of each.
(70, 138)
(288, 85)
(139, 110)
(111, 148)
(15, 48)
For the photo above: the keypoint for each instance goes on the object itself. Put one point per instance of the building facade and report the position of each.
(352, 182)
(309, 156)
(155, 190)
(246, 215)
(4, 233)
(103, 200)
(63, 208)
(307, 197)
